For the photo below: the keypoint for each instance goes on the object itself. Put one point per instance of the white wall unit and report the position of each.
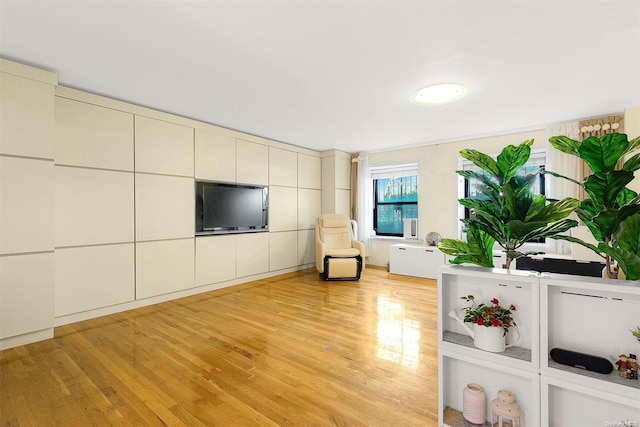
(283, 208)
(309, 208)
(93, 206)
(215, 156)
(165, 207)
(164, 266)
(253, 254)
(252, 163)
(592, 316)
(163, 147)
(283, 167)
(93, 136)
(26, 112)
(415, 260)
(582, 314)
(280, 254)
(309, 171)
(306, 246)
(27, 205)
(91, 277)
(26, 294)
(215, 259)
(343, 202)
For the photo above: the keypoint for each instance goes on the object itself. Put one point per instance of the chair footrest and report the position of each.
(342, 268)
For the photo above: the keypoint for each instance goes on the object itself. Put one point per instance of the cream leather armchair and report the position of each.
(339, 256)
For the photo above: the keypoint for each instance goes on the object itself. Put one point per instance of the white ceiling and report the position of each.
(338, 74)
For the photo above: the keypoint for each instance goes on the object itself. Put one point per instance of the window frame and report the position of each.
(392, 172)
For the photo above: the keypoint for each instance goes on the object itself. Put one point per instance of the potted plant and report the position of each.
(511, 215)
(491, 323)
(611, 211)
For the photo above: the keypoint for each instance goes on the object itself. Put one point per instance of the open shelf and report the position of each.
(515, 352)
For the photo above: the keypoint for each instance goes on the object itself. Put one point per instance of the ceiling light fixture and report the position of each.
(438, 94)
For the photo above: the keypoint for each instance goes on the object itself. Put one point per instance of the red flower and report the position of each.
(495, 301)
(470, 297)
(494, 322)
(479, 321)
(512, 307)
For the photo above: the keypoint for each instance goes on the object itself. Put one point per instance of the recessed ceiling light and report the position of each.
(438, 94)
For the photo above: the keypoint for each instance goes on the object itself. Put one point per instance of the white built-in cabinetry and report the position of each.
(27, 260)
(582, 314)
(415, 260)
(98, 205)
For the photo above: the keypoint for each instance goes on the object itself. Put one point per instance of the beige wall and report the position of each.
(438, 204)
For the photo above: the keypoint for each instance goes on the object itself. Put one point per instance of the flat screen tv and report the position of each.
(223, 207)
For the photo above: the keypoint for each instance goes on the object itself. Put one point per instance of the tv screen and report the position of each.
(230, 208)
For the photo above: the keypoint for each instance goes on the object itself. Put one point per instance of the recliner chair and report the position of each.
(339, 256)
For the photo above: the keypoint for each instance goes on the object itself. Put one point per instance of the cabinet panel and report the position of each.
(215, 259)
(283, 250)
(343, 202)
(92, 277)
(306, 247)
(283, 167)
(309, 172)
(309, 208)
(253, 254)
(27, 205)
(26, 293)
(415, 260)
(164, 267)
(252, 163)
(165, 207)
(343, 172)
(283, 208)
(27, 115)
(163, 147)
(215, 156)
(93, 206)
(93, 136)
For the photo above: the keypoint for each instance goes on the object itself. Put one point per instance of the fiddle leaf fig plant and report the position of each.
(611, 211)
(511, 215)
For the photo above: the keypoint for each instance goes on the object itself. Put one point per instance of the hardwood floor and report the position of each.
(290, 350)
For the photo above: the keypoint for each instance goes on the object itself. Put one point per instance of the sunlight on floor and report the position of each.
(398, 338)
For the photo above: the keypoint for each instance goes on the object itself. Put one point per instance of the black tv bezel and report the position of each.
(199, 211)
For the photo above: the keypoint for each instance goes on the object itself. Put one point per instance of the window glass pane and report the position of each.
(401, 189)
(390, 217)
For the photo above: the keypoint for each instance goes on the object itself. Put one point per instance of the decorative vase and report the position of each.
(474, 404)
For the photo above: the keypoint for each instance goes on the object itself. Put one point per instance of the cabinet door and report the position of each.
(93, 136)
(253, 254)
(93, 276)
(215, 156)
(26, 293)
(252, 162)
(309, 171)
(163, 267)
(163, 147)
(283, 208)
(283, 167)
(215, 259)
(283, 250)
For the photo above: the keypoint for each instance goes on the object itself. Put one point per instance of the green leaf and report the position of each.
(557, 175)
(602, 154)
(565, 144)
(632, 164)
(555, 211)
(604, 188)
(484, 162)
(634, 144)
(513, 158)
(572, 239)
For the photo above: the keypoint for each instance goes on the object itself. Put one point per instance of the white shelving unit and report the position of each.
(583, 314)
(592, 316)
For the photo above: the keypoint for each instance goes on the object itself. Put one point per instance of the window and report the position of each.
(395, 197)
(467, 189)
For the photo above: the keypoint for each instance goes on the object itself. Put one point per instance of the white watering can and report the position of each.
(487, 338)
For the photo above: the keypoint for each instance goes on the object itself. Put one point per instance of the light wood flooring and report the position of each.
(290, 350)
